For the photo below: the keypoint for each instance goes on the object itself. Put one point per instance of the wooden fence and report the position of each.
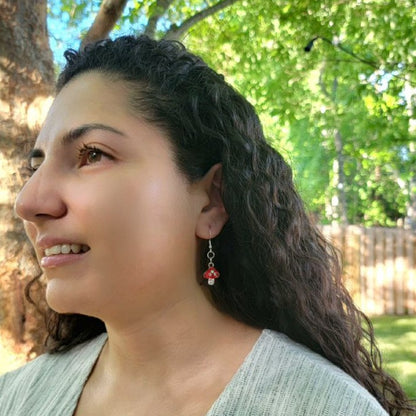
(379, 267)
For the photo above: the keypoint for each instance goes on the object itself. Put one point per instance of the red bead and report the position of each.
(211, 273)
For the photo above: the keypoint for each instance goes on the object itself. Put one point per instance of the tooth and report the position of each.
(75, 248)
(53, 250)
(65, 248)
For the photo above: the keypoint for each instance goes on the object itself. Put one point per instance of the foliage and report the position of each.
(327, 89)
(352, 81)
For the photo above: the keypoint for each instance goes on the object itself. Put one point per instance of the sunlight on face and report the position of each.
(111, 218)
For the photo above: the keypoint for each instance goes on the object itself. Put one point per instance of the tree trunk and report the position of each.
(337, 210)
(26, 84)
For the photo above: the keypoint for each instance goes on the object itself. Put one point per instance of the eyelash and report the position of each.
(82, 152)
(28, 170)
(85, 150)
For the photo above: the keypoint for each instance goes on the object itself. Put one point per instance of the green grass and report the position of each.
(396, 338)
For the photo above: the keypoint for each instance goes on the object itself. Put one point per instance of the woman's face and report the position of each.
(106, 183)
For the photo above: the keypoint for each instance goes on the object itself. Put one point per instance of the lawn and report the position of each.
(396, 337)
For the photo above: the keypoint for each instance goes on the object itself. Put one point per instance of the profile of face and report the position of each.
(116, 227)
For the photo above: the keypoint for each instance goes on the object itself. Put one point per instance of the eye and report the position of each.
(34, 161)
(89, 155)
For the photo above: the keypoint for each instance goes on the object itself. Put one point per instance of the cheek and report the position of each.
(141, 230)
(130, 208)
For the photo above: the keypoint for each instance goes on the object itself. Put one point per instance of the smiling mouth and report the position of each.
(66, 249)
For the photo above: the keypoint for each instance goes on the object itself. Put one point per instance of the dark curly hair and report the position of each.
(278, 270)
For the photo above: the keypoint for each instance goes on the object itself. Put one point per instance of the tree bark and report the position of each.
(26, 85)
(110, 11)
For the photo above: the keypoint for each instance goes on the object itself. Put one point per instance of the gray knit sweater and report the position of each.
(277, 378)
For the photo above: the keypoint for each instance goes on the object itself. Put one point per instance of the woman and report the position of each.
(183, 275)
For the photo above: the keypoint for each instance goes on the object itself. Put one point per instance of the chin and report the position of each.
(62, 300)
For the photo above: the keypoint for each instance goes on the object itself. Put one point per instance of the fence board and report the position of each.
(379, 267)
(399, 273)
(389, 262)
(411, 272)
(379, 271)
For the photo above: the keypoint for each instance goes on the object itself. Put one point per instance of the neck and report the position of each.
(188, 335)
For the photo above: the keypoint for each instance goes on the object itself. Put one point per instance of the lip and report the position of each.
(50, 262)
(46, 242)
(56, 260)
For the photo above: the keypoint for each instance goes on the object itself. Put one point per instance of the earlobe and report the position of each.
(213, 216)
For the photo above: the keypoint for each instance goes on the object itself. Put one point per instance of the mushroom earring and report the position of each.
(211, 273)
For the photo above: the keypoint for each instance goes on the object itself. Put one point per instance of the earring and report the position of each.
(211, 273)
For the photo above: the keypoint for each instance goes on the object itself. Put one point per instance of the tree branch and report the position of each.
(110, 11)
(376, 65)
(338, 45)
(176, 32)
(161, 7)
(351, 53)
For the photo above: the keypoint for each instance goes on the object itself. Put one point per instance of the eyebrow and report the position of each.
(75, 134)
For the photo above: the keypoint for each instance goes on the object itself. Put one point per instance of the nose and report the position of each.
(40, 198)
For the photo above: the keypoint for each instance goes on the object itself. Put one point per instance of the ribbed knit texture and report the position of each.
(277, 378)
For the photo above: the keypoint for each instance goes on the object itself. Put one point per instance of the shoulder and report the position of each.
(319, 386)
(281, 377)
(38, 379)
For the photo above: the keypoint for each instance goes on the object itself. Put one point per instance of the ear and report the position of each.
(213, 216)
